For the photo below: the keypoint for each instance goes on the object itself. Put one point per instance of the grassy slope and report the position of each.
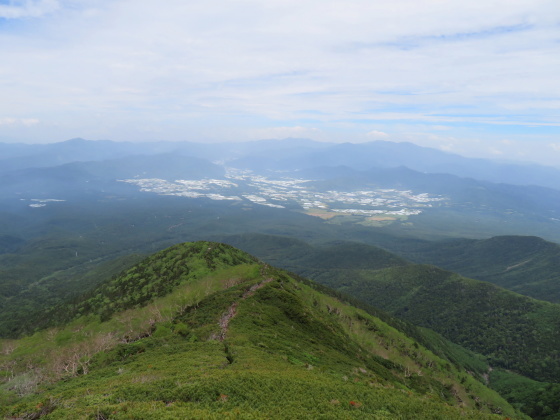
(517, 332)
(497, 324)
(287, 351)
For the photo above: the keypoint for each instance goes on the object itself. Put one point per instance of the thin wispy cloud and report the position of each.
(18, 121)
(17, 9)
(228, 69)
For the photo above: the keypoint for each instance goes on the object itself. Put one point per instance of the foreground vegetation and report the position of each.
(205, 331)
(513, 331)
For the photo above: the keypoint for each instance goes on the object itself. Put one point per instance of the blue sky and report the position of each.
(479, 78)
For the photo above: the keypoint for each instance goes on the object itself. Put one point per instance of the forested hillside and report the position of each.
(525, 264)
(514, 331)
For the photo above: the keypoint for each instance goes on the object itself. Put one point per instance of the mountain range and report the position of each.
(286, 154)
(410, 283)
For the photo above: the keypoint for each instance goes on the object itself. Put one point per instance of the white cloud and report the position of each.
(96, 67)
(377, 135)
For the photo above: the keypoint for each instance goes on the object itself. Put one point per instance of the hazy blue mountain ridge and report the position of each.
(287, 154)
(380, 154)
(102, 175)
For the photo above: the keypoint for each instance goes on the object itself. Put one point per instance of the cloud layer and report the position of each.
(458, 75)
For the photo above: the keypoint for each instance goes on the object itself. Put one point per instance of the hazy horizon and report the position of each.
(497, 159)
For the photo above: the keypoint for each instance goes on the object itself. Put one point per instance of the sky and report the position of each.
(477, 78)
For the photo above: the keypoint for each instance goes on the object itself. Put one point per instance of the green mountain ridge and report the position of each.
(203, 330)
(514, 331)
